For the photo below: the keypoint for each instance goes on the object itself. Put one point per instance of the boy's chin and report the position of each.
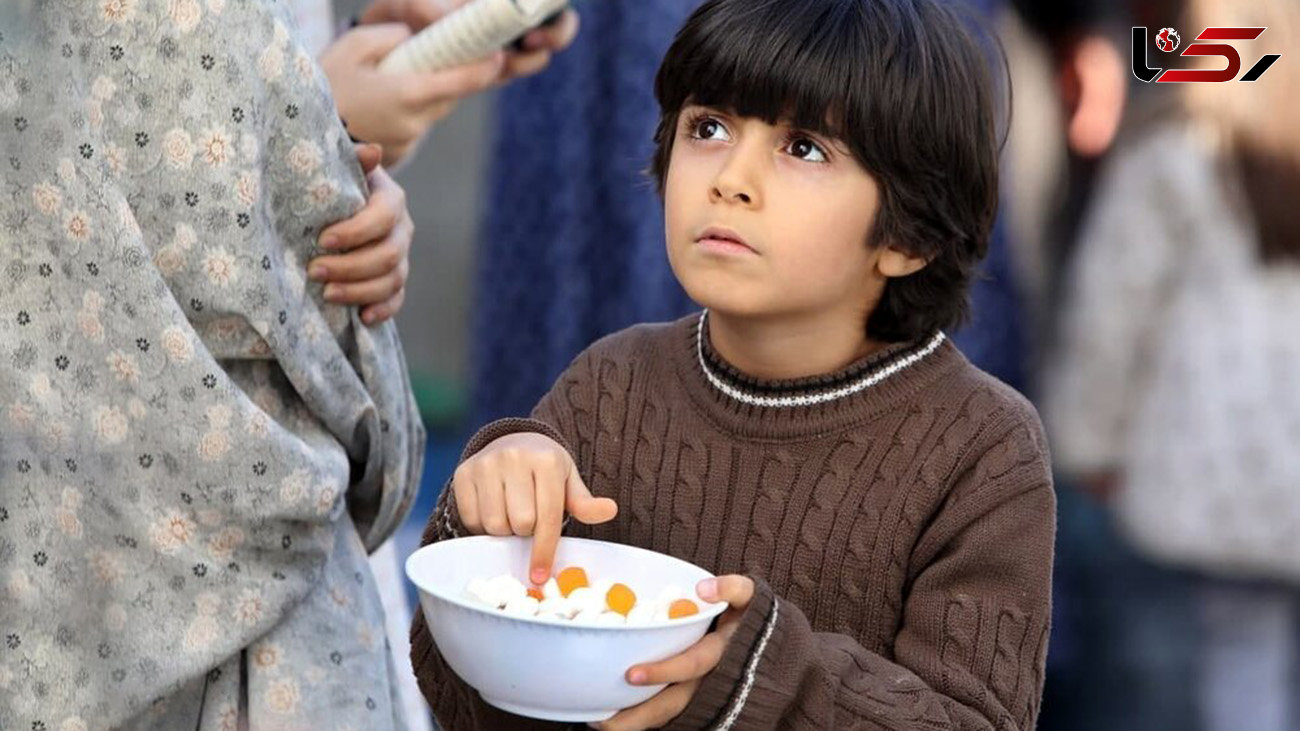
(730, 301)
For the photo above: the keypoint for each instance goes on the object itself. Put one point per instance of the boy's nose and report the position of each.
(740, 196)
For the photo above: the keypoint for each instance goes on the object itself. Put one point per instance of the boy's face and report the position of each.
(801, 205)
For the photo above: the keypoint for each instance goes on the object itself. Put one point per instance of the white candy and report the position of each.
(669, 594)
(587, 616)
(584, 599)
(641, 614)
(556, 607)
(610, 619)
(601, 589)
(551, 589)
(522, 607)
(507, 588)
(477, 590)
(587, 605)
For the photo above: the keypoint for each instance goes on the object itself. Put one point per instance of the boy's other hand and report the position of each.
(375, 244)
(683, 673)
(522, 484)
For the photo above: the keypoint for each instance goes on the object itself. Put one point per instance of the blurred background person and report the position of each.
(1120, 653)
(1170, 394)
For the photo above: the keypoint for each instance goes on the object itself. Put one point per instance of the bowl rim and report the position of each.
(708, 610)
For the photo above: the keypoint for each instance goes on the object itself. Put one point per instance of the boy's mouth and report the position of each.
(724, 240)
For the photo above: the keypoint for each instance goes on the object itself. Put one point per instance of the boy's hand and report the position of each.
(377, 241)
(683, 672)
(522, 484)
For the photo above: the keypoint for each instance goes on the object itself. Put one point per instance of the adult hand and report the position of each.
(375, 245)
(536, 47)
(395, 110)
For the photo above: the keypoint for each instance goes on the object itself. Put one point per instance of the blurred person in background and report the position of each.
(1171, 394)
(1120, 656)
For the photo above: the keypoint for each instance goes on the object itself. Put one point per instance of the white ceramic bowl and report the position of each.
(551, 668)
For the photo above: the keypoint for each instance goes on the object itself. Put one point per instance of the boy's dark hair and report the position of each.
(904, 83)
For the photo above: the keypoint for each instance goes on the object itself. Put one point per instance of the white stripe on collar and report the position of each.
(813, 399)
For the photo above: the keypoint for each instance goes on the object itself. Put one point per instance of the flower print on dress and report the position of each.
(177, 344)
(78, 226)
(214, 445)
(215, 145)
(186, 14)
(172, 531)
(282, 695)
(246, 188)
(225, 542)
(271, 63)
(293, 488)
(178, 148)
(304, 157)
(248, 607)
(111, 425)
(322, 193)
(266, 655)
(221, 268)
(103, 89)
(117, 11)
(123, 367)
(201, 633)
(48, 198)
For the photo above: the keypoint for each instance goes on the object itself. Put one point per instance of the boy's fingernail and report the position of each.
(707, 589)
(636, 676)
(539, 575)
(318, 272)
(329, 242)
(331, 292)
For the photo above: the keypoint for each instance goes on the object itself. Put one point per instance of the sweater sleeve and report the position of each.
(969, 652)
(562, 416)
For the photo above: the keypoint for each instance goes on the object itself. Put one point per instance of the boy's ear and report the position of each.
(892, 262)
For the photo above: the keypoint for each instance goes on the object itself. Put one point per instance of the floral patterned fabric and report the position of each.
(196, 452)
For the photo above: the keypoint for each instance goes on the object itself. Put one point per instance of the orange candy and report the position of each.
(536, 594)
(682, 608)
(571, 578)
(620, 598)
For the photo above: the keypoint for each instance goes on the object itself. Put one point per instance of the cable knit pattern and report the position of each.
(900, 538)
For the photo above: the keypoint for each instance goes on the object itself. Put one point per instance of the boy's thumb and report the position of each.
(586, 508)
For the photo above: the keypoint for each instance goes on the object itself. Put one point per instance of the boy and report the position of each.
(879, 512)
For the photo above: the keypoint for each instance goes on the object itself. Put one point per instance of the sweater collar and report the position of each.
(783, 408)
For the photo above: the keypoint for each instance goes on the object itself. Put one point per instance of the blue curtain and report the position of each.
(573, 243)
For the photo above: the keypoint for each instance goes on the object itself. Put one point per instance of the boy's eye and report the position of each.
(805, 149)
(707, 127)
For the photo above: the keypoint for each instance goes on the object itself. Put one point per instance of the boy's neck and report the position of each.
(785, 348)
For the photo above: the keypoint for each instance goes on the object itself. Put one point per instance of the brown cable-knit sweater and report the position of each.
(901, 537)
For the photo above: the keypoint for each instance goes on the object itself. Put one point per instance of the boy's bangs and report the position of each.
(772, 64)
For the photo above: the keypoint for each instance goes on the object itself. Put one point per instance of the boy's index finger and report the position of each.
(548, 487)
